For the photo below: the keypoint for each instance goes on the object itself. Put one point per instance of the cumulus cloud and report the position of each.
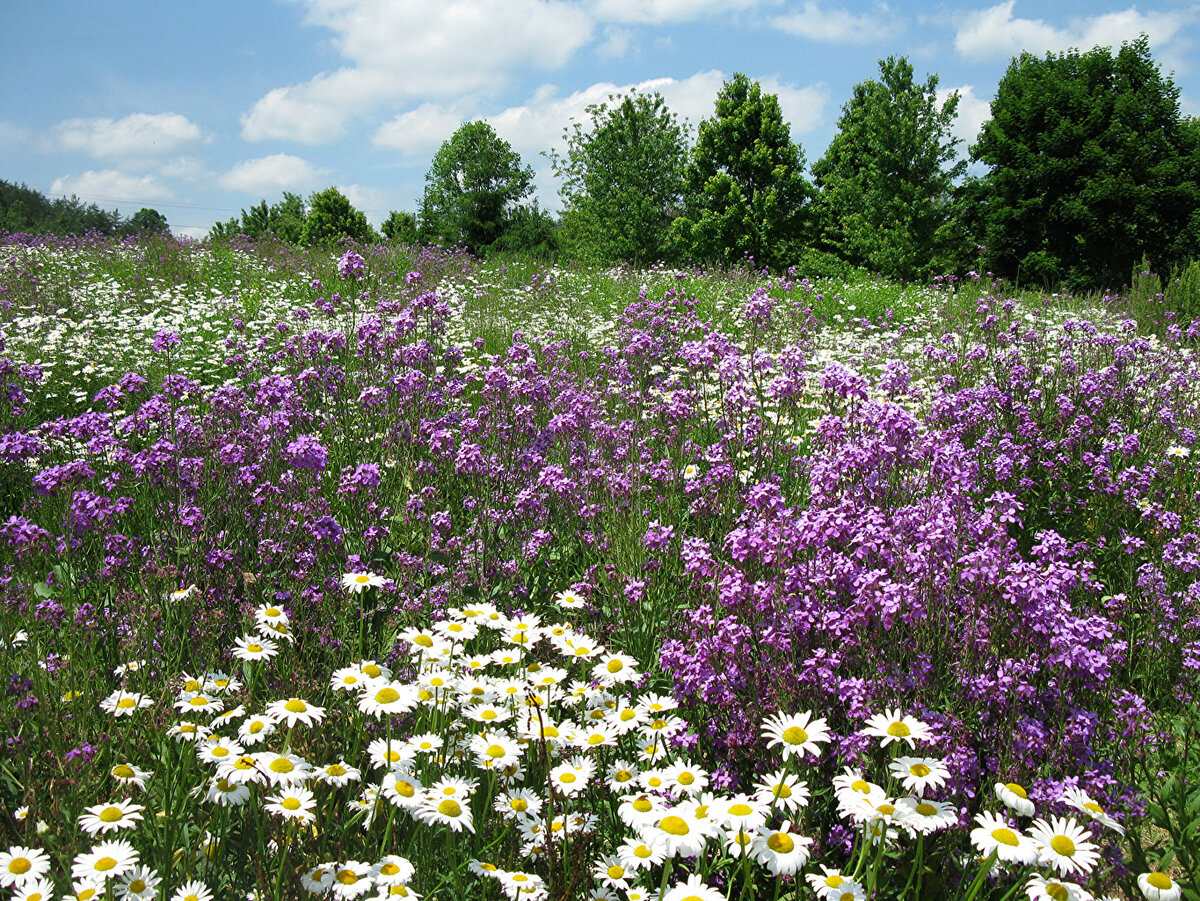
(110, 186)
(140, 136)
(659, 11)
(269, 174)
(369, 200)
(995, 33)
(616, 42)
(12, 134)
(972, 113)
(420, 131)
(416, 49)
(836, 26)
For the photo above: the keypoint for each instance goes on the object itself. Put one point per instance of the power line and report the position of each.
(179, 206)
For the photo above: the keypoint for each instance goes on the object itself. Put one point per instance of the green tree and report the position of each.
(622, 179)
(887, 180)
(531, 232)
(474, 182)
(146, 220)
(400, 228)
(1090, 168)
(331, 218)
(746, 191)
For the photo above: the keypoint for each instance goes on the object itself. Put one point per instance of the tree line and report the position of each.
(25, 210)
(1085, 169)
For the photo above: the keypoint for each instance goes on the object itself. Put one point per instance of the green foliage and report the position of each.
(1090, 168)
(472, 187)
(887, 178)
(331, 218)
(531, 231)
(283, 220)
(22, 209)
(400, 228)
(146, 220)
(622, 180)
(746, 192)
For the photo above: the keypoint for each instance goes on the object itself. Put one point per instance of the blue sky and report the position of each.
(200, 109)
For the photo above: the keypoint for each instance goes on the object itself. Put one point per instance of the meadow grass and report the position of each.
(402, 574)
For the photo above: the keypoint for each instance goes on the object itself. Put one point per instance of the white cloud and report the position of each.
(994, 33)
(972, 113)
(418, 49)
(268, 174)
(112, 186)
(196, 232)
(137, 137)
(616, 42)
(658, 11)
(12, 134)
(419, 131)
(836, 26)
(369, 200)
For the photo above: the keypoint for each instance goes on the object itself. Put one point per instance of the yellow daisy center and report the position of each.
(794, 735)
(405, 788)
(111, 814)
(899, 730)
(192, 685)
(622, 776)
(389, 869)
(281, 765)
(1017, 790)
(686, 778)
(295, 705)
(567, 778)
(254, 648)
(1093, 807)
(387, 695)
(362, 579)
(19, 866)
(335, 769)
(126, 703)
(104, 864)
(372, 670)
(926, 809)
(783, 790)
(347, 877)
(137, 886)
(781, 843)
(1005, 837)
(123, 771)
(1057, 891)
(290, 804)
(518, 804)
(834, 880)
(642, 805)
(1062, 845)
(1160, 881)
(616, 872)
(495, 750)
(919, 770)
(673, 825)
(614, 666)
(424, 641)
(450, 808)
(741, 810)
(861, 785)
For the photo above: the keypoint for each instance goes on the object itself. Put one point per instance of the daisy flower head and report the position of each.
(403, 789)
(797, 735)
(518, 804)
(917, 774)
(613, 668)
(826, 883)
(269, 613)
(685, 777)
(494, 750)
(386, 754)
(384, 697)
(357, 583)
(1064, 845)
(621, 775)
(1158, 886)
(35, 890)
(993, 835)
(226, 792)
(283, 769)
(920, 816)
(20, 864)
(110, 859)
(125, 703)
(193, 890)
(519, 885)
(693, 888)
(640, 811)
(1089, 807)
(295, 710)
(293, 804)
(128, 774)
(569, 599)
(140, 882)
(1015, 798)
(254, 648)
(740, 813)
(110, 817)
(337, 774)
(319, 879)
(895, 726)
(1039, 888)
(393, 870)
(680, 833)
(783, 791)
(782, 851)
(351, 879)
(438, 810)
(256, 728)
(1178, 451)
(218, 750)
(348, 678)
(88, 889)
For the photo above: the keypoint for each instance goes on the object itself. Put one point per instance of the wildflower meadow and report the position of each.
(386, 572)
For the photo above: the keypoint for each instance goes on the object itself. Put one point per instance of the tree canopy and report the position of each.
(887, 178)
(474, 183)
(331, 217)
(1090, 168)
(622, 179)
(745, 188)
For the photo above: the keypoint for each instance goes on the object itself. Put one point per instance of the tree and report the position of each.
(622, 179)
(400, 228)
(331, 218)
(146, 220)
(474, 183)
(531, 232)
(746, 192)
(887, 179)
(1090, 168)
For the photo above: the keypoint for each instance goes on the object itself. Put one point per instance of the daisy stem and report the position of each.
(973, 888)
(287, 840)
(1019, 884)
(918, 863)
(666, 873)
